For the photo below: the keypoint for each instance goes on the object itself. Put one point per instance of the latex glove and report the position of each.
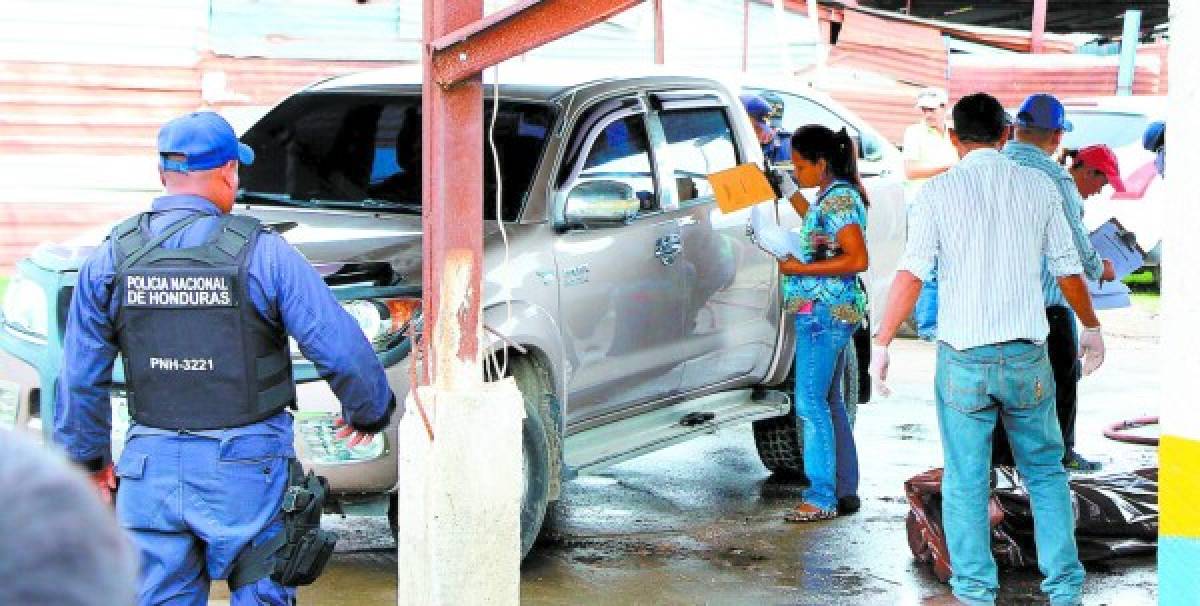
(1091, 349)
(352, 436)
(787, 185)
(106, 483)
(878, 369)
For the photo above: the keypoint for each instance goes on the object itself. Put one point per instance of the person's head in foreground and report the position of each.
(58, 543)
(979, 121)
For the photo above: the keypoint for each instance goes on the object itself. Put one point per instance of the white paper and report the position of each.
(777, 241)
(1107, 241)
(1112, 295)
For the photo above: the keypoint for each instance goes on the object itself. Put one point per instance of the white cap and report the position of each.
(931, 97)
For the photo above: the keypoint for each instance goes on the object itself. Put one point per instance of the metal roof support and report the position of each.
(746, 35)
(1039, 26)
(660, 41)
(459, 44)
(1129, 44)
(517, 29)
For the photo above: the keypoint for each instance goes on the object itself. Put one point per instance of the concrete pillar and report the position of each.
(1179, 452)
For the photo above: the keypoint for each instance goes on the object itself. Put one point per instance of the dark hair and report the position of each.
(979, 118)
(815, 142)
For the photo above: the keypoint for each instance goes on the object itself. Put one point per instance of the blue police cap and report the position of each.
(1155, 135)
(204, 139)
(1043, 111)
(756, 106)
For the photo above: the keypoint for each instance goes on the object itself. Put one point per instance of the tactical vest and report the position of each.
(197, 355)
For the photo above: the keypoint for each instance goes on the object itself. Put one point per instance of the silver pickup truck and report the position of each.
(631, 312)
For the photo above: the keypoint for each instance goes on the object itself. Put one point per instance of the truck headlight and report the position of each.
(382, 321)
(25, 309)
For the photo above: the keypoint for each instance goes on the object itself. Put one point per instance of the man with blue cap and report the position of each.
(1040, 124)
(1155, 140)
(200, 304)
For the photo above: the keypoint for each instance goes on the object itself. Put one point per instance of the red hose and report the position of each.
(1116, 431)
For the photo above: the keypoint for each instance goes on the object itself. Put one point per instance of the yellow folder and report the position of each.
(740, 187)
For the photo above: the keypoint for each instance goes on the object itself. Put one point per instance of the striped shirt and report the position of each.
(1032, 156)
(988, 224)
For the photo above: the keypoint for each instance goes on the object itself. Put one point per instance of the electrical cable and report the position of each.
(501, 369)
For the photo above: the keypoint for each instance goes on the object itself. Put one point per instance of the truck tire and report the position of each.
(540, 445)
(778, 441)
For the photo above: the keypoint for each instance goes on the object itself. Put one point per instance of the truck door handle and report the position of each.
(666, 247)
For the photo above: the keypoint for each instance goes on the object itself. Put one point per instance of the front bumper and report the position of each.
(29, 369)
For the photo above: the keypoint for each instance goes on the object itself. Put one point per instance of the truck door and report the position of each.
(728, 324)
(620, 286)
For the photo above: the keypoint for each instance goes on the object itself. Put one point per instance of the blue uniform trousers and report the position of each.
(193, 502)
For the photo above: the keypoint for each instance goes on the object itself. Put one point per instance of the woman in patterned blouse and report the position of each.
(821, 288)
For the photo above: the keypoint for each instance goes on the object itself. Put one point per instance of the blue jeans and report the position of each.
(830, 459)
(974, 387)
(925, 313)
(192, 503)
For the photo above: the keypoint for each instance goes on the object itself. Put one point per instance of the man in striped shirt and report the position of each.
(1041, 122)
(990, 224)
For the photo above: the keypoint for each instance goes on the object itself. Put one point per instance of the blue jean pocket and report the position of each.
(1029, 383)
(963, 386)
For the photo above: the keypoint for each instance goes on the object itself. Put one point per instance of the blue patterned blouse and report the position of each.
(838, 206)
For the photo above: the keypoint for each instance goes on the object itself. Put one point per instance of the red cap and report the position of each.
(1101, 158)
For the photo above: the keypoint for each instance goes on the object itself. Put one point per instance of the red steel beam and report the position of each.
(660, 42)
(746, 35)
(466, 51)
(452, 195)
(1039, 26)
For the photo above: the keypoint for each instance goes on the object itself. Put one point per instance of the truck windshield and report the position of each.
(364, 151)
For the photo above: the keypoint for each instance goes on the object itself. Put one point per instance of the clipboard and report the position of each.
(1113, 242)
(740, 187)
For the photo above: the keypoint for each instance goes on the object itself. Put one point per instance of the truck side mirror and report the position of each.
(601, 202)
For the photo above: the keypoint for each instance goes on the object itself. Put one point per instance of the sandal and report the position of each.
(807, 512)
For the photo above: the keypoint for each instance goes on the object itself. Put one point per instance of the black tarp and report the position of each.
(1116, 516)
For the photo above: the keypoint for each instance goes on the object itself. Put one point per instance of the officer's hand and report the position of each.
(353, 437)
(106, 483)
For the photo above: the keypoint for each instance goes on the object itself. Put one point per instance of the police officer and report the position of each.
(199, 303)
(760, 111)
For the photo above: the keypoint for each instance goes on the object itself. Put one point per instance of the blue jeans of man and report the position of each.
(1012, 381)
(925, 312)
(830, 458)
(192, 504)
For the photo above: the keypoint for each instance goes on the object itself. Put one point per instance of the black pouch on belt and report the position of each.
(298, 555)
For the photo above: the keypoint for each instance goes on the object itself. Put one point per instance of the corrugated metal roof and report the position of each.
(869, 42)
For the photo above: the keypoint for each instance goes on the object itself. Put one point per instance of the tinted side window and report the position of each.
(621, 152)
(699, 142)
(364, 151)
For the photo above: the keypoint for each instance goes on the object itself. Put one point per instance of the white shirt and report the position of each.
(989, 223)
(927, 146)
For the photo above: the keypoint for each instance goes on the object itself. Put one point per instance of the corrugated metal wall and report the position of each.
(316, 29)
(1012, 78)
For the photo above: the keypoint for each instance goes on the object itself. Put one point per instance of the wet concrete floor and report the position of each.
(701, 523)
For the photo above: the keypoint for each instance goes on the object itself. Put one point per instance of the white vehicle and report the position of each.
(1119, 123)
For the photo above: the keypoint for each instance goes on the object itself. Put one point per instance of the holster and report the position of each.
(298, 555)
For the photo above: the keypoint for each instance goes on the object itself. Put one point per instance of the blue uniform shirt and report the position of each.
(284, 288)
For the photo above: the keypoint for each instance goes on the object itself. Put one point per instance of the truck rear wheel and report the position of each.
(778, 439)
